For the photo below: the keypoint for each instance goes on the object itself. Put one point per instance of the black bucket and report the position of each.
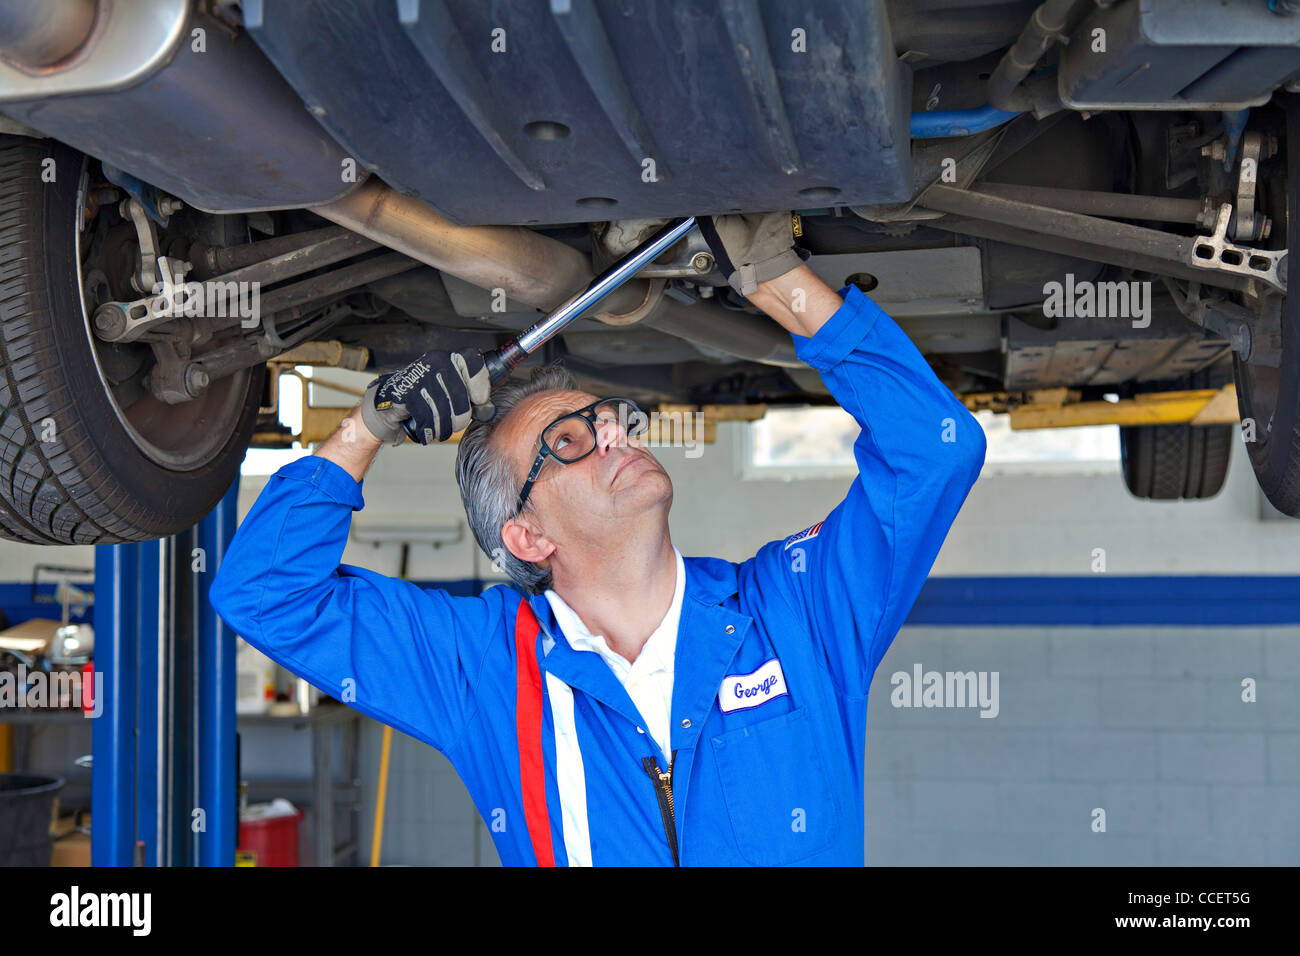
(26, 808)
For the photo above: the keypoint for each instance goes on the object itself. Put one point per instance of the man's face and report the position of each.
(619, 480)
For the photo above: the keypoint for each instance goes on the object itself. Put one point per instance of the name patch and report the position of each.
(742, 691)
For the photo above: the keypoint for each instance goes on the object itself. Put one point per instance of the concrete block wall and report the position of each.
(1147, 724)
(429, 818)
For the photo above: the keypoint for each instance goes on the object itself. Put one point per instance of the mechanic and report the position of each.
(634, 707)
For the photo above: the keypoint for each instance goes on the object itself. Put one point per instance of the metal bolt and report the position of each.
(196, 380)
(168, 205)
(109, 321)
(1216, 150)
(1209, 213)
(702, 262)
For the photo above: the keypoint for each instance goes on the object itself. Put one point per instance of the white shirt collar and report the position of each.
(659, 648)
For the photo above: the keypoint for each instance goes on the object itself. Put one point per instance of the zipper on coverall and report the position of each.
(663, 783)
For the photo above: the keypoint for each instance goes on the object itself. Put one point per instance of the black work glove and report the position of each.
(439, 392)
(750, 248)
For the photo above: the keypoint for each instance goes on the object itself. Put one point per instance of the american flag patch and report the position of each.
(803, 535)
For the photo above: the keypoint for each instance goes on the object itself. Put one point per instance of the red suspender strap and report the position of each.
(528, 725)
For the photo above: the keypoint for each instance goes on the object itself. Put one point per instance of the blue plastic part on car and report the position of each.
(1234, 124)
(942, 124)
(146, 195)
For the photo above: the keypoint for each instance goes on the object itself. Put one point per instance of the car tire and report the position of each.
(75, 466)
(1269, 399)
(1172, 462)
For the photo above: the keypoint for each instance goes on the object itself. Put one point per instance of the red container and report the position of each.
(88, 687)
(272, 841)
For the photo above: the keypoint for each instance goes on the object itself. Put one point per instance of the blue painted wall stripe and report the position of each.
(1093, 600)
(18, 606)
(1065, 601)
(1108, 601)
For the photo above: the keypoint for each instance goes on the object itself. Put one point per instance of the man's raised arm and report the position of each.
(352, 447)
(854, 577)
(407, 656)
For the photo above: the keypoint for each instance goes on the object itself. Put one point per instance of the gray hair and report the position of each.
(488, 485)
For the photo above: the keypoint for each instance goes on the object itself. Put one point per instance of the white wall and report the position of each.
(1013, 523)
(1146, 724)
(17, 559)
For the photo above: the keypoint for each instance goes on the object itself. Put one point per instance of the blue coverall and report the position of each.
(773, 661)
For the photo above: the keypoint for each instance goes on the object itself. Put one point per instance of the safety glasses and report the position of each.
(572, 437)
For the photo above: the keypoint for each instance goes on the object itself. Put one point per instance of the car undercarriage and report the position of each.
(1066, 205)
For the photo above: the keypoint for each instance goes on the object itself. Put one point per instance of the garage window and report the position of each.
(267, 461)
(818, 443)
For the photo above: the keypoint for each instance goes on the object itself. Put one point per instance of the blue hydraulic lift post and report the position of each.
(145, 778)
(215, 693)
(151, 764)
(113, 777)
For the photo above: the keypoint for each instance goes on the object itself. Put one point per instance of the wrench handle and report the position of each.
(500, 362)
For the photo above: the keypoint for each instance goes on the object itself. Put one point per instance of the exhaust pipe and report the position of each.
(37, 34)
(737, 333)
(531, 268)
(540, 271)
